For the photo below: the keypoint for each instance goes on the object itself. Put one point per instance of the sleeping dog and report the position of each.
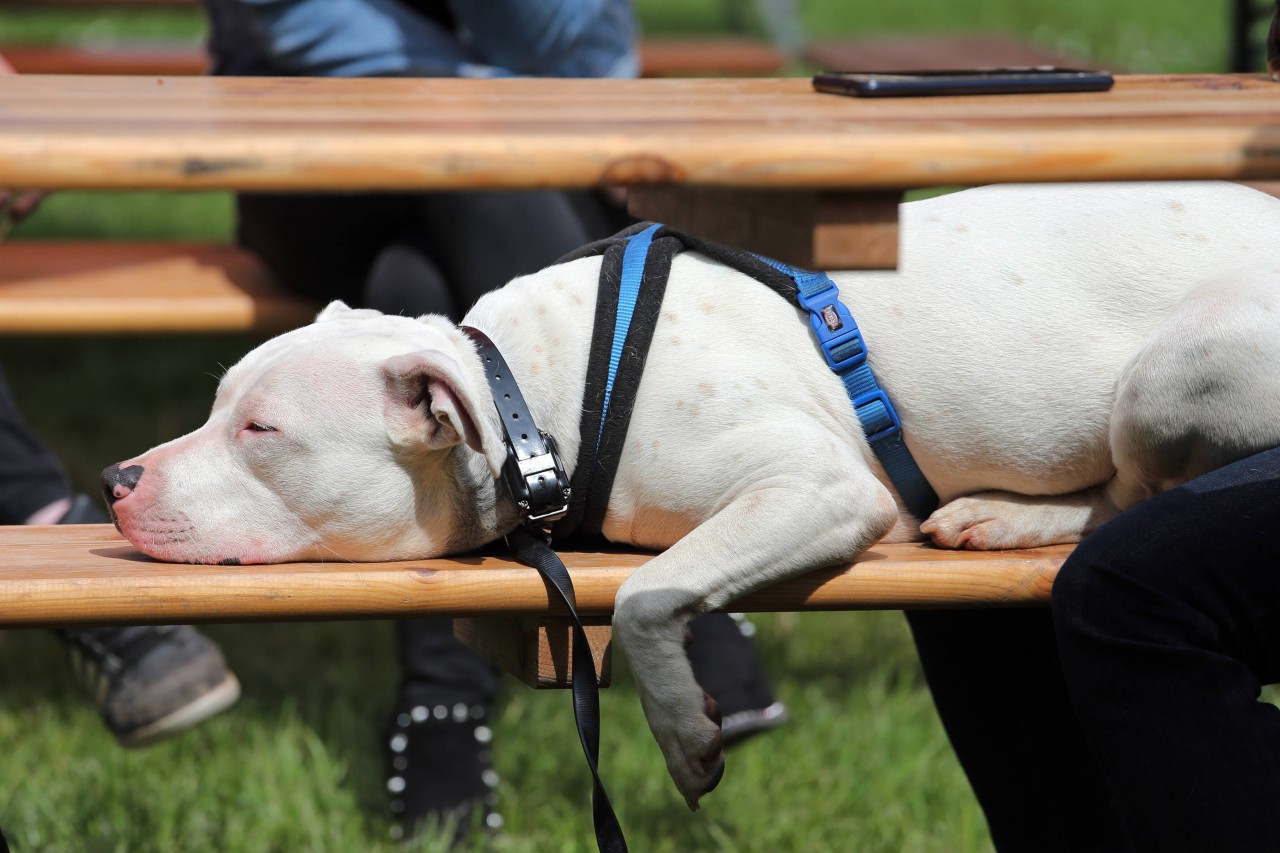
(1056, 353)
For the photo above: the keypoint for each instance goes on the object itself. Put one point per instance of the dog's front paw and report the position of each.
(990, 521)
(693, 747)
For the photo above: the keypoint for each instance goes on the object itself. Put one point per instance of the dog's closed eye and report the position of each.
(254, 426)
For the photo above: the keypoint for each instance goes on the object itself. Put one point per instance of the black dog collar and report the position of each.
(532, 472)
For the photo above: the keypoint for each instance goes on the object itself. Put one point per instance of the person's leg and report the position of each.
(31, 477)
(995, 678)
(482, 240)
(369, 250)
(1168, 620)
(726, 664)
(405, 280)
(147, 682)
(321, 246)
(439, 761)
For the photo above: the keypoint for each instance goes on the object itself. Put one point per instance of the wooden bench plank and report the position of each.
(87, 574)
(675, 57)
(135, 59)
(113, 288)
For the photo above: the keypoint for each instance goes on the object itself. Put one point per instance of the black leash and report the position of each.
(536, 478)
(530, 547)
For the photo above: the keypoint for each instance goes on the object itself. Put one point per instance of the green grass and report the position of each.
(296, 765)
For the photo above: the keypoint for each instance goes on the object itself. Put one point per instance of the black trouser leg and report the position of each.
(995, 678)
(31, 477)
(726, 664)
(437, 669)
(1168, 620)
(408, 253)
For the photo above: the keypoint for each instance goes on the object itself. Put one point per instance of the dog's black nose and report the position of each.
(118, 482)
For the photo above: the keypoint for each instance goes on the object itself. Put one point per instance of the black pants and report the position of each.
(416, 253)
(437, 253)
(1128, 716)
(31, 477)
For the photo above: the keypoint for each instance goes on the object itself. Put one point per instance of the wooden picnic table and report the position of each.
(768, 163)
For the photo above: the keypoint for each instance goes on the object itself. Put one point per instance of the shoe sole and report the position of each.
(202, 708)
(744, 725)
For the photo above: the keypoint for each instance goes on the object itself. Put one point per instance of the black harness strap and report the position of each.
(600, 448)
(601, 443)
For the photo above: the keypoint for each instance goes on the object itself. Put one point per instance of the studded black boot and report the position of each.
(440, 770)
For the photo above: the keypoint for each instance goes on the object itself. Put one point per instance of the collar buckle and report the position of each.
(538, 483)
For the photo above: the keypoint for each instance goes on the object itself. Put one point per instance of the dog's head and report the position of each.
(351, 438)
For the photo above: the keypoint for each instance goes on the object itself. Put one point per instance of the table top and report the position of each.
(297, 133)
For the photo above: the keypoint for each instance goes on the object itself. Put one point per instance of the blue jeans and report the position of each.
(381, 38)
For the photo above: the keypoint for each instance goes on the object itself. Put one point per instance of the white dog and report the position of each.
(1057, 354)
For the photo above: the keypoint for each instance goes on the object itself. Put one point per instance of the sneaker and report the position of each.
(150, 682)
(740, 725)
(440, 771)
(84, 510)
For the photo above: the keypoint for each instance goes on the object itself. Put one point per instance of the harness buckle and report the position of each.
(881, 423)
(838, 334)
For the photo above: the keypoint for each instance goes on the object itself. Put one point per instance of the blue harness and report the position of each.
(632, 282)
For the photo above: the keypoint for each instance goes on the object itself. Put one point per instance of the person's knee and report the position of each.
(403, 280)
(1120, 588)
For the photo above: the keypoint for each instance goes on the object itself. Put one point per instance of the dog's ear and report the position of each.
(431, 403)
(339, 310)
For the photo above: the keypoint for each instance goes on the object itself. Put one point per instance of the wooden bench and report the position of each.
(669, 57)
(659, 57)
(88, 574)
(126, 288)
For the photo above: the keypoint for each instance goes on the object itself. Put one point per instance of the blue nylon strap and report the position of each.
(846, 354)
(633, 263)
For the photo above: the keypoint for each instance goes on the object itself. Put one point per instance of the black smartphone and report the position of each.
(977, 81)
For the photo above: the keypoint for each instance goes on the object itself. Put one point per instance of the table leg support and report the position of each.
(811, 229)
(538, 652)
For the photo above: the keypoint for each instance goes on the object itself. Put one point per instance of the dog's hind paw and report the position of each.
(994, 521)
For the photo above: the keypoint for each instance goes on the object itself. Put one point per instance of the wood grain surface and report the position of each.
(114, 288)
(666, 57)
(87, 574)
(296, 133)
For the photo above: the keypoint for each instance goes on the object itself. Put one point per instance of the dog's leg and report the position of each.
(991, 521)
(1203, 391)
(815, 505)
